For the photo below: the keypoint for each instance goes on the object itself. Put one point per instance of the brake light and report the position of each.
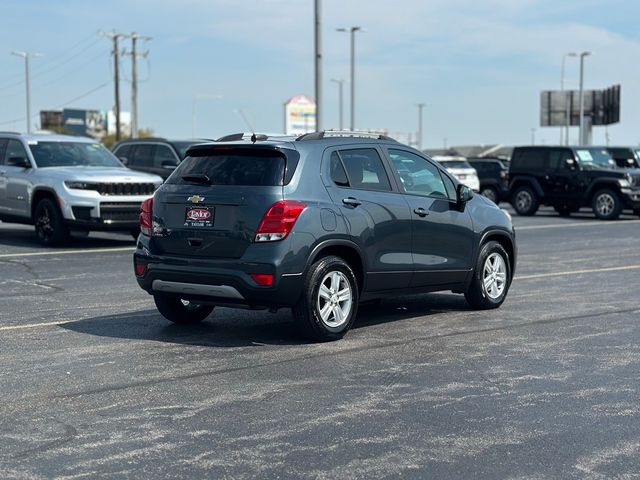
(140, 269)
(146, 217)
(264, 280)
(279, 220)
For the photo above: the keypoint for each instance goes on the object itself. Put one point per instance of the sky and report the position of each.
(477, 65)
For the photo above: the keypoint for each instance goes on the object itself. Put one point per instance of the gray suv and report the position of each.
(317, 223)
(61, 184)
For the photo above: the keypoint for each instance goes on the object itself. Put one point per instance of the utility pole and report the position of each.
(318, 63)
(26, 56)
(116, 74)
(533, 136)
(420, 108)
(353, 31)
(134, 80)
(340, 103)
(582, 139)
(564, 131)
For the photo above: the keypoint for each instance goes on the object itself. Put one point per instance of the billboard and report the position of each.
(299, 115)
(86, 123)
(602, 107)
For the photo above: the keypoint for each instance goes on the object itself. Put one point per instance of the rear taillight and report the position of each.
(146, 217)
(263, 280)
(279, 220)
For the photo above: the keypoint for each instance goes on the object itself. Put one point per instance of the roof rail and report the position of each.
(259, 137)
(343, 134)
(10, 133)
(144, 139)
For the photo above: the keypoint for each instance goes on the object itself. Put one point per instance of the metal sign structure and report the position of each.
(562, 108)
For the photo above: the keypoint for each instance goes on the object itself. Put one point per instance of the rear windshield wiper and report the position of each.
(197, 178)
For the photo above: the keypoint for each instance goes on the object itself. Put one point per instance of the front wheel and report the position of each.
(606, 205)
(491, 278)
(50, 227)
(181, 311)
(525, 201)
(329, 302)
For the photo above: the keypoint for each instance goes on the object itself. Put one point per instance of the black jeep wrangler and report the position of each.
(569, 178)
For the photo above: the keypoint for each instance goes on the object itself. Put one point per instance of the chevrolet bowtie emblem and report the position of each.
(195, 199)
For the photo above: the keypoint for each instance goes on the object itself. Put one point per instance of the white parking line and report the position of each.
(67, 252)
(578, 272)
(594, 223)
(36, 325)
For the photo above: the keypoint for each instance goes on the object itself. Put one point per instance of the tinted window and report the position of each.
(3, 147)
(558, 158)
(123, 151)
(417, 175)
(164, 155)
(72, 154)
(142, 156)
(338, 174)
(451, 188)
(529, 158)
(365, 169)
(236, 168)
(14, 149)
(182, 147)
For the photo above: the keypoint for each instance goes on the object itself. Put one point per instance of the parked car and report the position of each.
(569, 178)
(317, 224)
(158, 156)
(460, 168)
(493, 175)
(61, 183)
(625, 157)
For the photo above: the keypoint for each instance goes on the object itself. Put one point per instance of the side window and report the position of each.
(164, 155)
(14, 149)
(142, 156)
(3, 147)
(417, 175)
(530, 159)
(558, 157)
(338, 174)
(450, 187)
(123, 151)
(364, 169)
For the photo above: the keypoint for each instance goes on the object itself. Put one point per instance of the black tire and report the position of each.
(606, 204)
(183, 313)
(135, 232)
(478, 295)
(49, 224)
(525, 201)
(490, 193)
(307, 312)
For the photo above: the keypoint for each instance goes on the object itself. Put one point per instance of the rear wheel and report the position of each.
(329, 302)
(525, 201)
(606, 205)
(181, 311)
(50, 227)
(491, 193)
(491, 278)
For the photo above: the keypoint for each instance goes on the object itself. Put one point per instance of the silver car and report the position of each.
(63, 184)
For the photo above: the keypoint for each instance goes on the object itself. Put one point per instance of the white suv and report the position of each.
(61, 184)
(461, 169)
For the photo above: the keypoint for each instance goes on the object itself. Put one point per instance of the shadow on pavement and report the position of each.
(240, 328)
(24, 236)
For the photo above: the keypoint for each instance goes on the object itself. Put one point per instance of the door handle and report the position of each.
(351, 202)
(421, 212)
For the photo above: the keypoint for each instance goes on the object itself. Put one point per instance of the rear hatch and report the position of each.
(212, 204)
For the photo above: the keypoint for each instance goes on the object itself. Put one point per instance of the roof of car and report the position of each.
(36, 137)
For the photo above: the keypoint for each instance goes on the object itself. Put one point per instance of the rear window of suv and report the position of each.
(254, 168)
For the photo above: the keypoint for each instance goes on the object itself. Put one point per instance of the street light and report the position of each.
(564, 132)
(26, 56)
(353, 31)
(581, 100)
(340, 83)
(420, 108)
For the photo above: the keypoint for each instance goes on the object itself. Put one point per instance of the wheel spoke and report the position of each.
(335, 281)
(325, 293)
(325, 311)
(344, 295)
(337, 314)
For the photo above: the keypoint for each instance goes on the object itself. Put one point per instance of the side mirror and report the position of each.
(570, 164)
(21, 162)
(124, 160)
(463, 194)
(169, 165)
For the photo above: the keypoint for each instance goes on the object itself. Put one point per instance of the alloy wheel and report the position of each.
(334, 300)
(494, 276)
(605, 204)
(523, 200)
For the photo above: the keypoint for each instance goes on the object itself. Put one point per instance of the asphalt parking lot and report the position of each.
(95, 382)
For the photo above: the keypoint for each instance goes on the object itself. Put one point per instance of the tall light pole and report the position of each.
(340, 83)
(581, 97)
(420, 108)
(318, 62)
(564, 132)
(26, 56)
(353, 31)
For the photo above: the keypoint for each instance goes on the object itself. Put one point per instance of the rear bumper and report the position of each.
(224, 282)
